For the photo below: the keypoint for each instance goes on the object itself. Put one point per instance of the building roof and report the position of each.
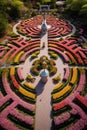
(44, 72)
(44, 25)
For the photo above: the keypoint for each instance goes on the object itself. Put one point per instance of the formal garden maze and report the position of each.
(18, 94)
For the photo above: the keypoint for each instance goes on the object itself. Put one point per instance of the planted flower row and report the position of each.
(10, 107)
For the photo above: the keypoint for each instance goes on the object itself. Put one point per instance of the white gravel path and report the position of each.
(43, 118)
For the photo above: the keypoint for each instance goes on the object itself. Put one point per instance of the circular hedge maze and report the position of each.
(18, 96)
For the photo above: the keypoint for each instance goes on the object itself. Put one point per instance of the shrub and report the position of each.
(43, 58)
(52, 62)
(30, 78)
(37, 52)
(13, 35)
(34, 71)
(36, 62)
(53, 55)
(33, 56)
(56, 78)
(3, 25)
(44, 63)
(53, 71)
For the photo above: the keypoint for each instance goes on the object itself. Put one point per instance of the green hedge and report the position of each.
(19, 123)
(62, 110)
(25, 110)
(68, 122)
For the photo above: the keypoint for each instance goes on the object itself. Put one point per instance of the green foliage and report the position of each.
(3, 4)
(47, 1)
(77, 5)
(3, 25)
(13, 35)
(53, 71)
(34, 71)
(56, 78)
(52, 62)
(83, 9)
(30, 78)
(53, 54)
(15, 8)
(9, 9)
(44, 63)
(33, 56)
(17, 3)
(69, 1)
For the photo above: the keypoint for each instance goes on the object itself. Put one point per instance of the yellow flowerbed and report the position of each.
(26, 93)
(12, 71)
(74, 76)
(58, 85)
(62, 92)
(16, 60)
(52, 45)
(29, 85)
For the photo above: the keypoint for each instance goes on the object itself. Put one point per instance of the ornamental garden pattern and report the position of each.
(18, 97)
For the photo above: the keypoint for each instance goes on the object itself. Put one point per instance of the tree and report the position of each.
(78, 6)
(83, 10)
(15, 8)
(3, 25)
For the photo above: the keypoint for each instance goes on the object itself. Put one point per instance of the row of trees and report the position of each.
(79, 6)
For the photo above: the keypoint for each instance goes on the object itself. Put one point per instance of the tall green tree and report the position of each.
(14, 9)
(3, 25)
(83, 10)
(9, 9)
(77, 5)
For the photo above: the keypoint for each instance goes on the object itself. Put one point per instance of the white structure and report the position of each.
(44, 74)
(44, 27)
(44, 7)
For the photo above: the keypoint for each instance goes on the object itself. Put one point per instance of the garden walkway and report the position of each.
(43, 118)
(43, 105)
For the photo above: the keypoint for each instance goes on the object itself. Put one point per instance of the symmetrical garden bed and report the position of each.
(18, 96)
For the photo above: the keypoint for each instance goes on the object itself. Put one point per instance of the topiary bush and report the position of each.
(54, 56)
(34, 71)
(44, 63)
(33, 56)
(56, 79)
(53, 71)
